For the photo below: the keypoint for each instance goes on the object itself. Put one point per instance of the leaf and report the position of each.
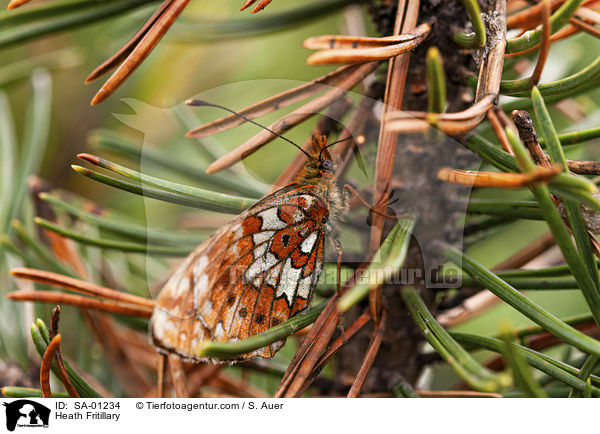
(521, 303)
(231, 349)
(156, 188)
(44, 19)
(558, 370)
(209, 29)
(40, 337)
(520, 370)
(386, 263)
(114, 244)
(478, 377)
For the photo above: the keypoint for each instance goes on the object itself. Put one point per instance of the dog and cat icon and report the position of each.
(26, 413)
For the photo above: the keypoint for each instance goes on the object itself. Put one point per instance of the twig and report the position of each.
(331, 42)
(236, 385)
(406, 21)
(47, 364)
(490, 73)
(178, 377)
(197, 378)
(527, 254)
(394, 93)
(350, 50)
(325, 127)
(586, 27)
(60, 364)
(448, 123)
(498, 180)
(370, 355)
(294, 118)
(131, 373)
(54, 321)
(272, 103)
(340, 341)
(588, 14)
(76, 285)
(259, 7)
(481, 301)
(545, 44)
(142, 49)
(530, 17)
(498, 127)
(79, 301)
(161, 371)
(307, 355)
(16, 3)
(584, 167)
(528, 136)
(129, 46)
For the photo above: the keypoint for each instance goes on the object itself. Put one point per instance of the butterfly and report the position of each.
(255, 272)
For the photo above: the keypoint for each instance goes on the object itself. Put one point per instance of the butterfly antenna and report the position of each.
(199, 103)
(359, 160)
(334, 143)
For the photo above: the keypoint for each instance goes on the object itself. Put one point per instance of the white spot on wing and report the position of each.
(219, 331)
(200, 285)
(182, 338)
(273, 275)
(308, 243)
(199, 329)
(178, 284)
(182, 284)
(260, 251)
(207, 308)
(288, 281)
(304, 287)
(263, 236)
(309, 199)
(298, 216)
(200, 264)
(159, 320)
(170, 327)
(257, 282)
(317, 270)
(270, 220)
(260, 265)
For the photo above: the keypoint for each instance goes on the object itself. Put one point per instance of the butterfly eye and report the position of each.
(326, 166)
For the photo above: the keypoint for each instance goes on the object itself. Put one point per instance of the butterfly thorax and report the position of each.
(319, 173)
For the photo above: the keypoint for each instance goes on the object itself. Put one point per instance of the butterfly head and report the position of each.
(322, 155)
(319, 165)
(326, 165)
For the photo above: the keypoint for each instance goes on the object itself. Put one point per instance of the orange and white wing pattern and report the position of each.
(251, 275)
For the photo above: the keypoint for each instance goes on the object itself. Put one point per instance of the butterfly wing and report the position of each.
(251, 275)
(174, 326)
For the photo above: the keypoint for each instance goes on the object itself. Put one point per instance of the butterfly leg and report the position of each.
(338, 248)
(161, 373)
(178, 377)
(349, 188)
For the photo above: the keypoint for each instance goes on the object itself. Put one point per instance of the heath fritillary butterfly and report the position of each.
(255, 272)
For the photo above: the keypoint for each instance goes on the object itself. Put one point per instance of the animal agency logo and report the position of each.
(26, 413)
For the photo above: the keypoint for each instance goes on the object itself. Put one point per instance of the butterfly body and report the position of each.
(255, 272)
